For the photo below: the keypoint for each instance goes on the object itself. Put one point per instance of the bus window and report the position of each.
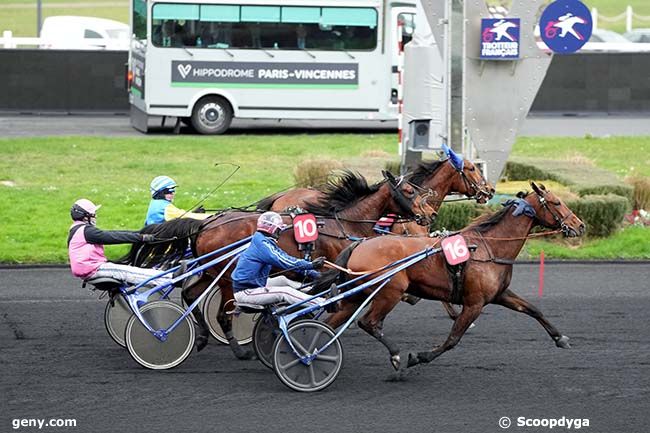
(408, 26)
(140, 19)
(264, 27)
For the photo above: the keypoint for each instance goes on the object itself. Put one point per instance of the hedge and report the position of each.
(455, 216)
(602, 214)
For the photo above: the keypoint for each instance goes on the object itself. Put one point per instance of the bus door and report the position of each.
(402, 20)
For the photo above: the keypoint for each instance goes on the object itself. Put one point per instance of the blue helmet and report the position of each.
(161, 183)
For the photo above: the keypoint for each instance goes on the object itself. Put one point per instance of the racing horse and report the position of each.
(482, 280)
(346, 210)
(468, 181)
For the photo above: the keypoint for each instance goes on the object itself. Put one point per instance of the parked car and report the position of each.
(602, 35)
(638, 35)
(84, 33)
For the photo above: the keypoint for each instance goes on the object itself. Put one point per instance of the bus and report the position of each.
(206, 62)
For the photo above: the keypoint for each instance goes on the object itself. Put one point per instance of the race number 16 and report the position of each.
(304, 228)
(455, 249)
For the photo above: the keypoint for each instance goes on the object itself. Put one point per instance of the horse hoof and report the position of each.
(395, 361)
(563, 342)
(201, 342)
(473, 325)
(413, 360)
(245, 355)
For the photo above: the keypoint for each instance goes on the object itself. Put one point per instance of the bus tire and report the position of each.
(212, 115)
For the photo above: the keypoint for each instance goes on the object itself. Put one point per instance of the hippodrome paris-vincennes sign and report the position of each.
(261, 74)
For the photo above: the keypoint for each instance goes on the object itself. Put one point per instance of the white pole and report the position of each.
(6, 39)
(594, 17)
(628, 18)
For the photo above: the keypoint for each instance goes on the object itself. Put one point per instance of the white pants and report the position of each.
(130, 274)
(275, 292)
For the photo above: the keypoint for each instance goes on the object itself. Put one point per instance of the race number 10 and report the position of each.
(305, 229)
(455, 249)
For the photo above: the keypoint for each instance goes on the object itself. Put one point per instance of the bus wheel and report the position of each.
(187, 121)
(212, 115)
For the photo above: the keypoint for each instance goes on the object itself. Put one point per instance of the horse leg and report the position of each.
(225, 321)
(373, 322)
(451, 311)
(461, 324)
(511, 300)
(344, 313)
(189, 296)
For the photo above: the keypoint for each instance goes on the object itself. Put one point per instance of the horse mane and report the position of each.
(342, 192)
(425, 170)
(181, 233)
(484, 222)
(266, 203)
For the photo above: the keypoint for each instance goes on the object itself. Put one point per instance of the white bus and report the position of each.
(207, 61)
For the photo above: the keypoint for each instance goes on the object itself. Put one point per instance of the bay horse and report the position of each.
(457, 176)
(482, 280)
(347, 212)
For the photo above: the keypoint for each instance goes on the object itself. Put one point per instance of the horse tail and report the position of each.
(175, 237)
(267, 203)
(327, 278)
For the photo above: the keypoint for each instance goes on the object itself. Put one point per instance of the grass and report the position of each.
(22, 21)
(41, 177)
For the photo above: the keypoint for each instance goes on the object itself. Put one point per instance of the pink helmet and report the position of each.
(83, 208)
(270, 222)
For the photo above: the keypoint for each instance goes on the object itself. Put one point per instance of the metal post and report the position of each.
(38, 18)
(455, 57)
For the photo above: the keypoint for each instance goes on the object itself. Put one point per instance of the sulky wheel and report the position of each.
(265, 333)
(307, 335)
(117, 314)
(242, 324)
(148, 350)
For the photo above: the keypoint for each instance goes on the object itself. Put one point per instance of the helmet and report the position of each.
(160, 184)
(271, 223)
(82, 209)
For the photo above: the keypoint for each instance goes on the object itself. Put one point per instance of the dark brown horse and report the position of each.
(450, 177)
(347, 212)
(484, 278)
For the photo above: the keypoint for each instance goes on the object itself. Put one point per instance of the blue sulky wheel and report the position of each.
(307, 335)
(117, 314)
(242, 324)
(148, 350)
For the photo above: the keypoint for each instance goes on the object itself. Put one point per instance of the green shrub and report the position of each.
(455, 216)
(314, 172)
(626, 191)
(602, 214)
(523, 171)
(641, 198)
(392, 166)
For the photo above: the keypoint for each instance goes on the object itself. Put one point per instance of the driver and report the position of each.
(86, 248)
(251, 282)
(161, 208)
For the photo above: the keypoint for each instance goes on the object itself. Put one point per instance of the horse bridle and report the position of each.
(561, 222)
(406, 204)
(480, 190)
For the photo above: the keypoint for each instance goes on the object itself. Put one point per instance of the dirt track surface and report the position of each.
(58, 362)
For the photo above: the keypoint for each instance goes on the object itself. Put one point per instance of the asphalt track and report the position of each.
(58, 362)
(12, 126)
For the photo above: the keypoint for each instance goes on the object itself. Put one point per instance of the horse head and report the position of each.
(470, 181)
(408, 200)
(551, 212)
